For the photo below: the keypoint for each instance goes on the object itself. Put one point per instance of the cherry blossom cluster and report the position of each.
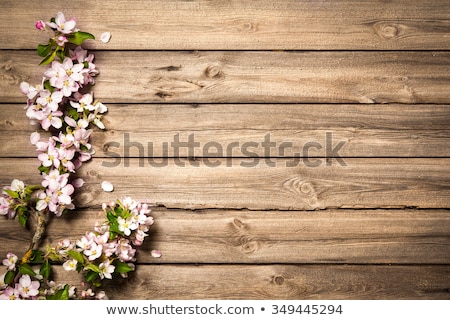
(109, 249)
(62, 105)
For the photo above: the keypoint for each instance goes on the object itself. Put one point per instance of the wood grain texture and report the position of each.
(279, 282)
(252, 76)
(147, 130)
(370, 221)
(267, 184)
(241, 236)
(237, 24)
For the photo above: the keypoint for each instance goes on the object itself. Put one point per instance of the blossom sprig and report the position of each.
(63, 105)
(110, 249)
(64, 31)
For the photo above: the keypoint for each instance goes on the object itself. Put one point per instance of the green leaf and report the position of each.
(48, 59)
(43, 169)
(93, 267)
(48, 86)
(73, 113)
(12, 194)
(45, 270)
(37, 256)
(9, 277)
(62, 294)
(76, 255)
(79, 37)
(30, 189)
(44, 50)
(26, 269)
(91, 276)
(23, 218)
(60, 53)
(122, 267)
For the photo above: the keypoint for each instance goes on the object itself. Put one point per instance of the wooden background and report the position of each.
(374, 76)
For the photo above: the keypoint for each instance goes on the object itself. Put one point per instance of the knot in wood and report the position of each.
(92, 173)
(279, 280)
(250, 246)
(8, 65)
(387, 30)
(213, 72)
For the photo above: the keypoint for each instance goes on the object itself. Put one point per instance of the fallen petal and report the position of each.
(156, 253)
(105, 37)
(107, 186)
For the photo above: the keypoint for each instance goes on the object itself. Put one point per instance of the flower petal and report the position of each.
(107, 186)
(105, 37)
(156, 253)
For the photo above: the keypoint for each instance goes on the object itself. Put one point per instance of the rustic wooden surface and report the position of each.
(372, 80)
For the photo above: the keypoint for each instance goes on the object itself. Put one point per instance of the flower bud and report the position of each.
(40, 25)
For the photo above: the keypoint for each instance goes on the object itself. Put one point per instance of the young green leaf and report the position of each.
(37, 256)
(61, 55)
(48, 59)
(91, 276)
(23, 218)
(44, 50)
(93, 267)
(26, 269)
(62, 294)
(76, 255)
(79, 37)
(12, 194)
(9, 277)
(122, 267)
(45, 270)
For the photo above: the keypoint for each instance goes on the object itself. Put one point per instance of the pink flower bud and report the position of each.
(40, 25)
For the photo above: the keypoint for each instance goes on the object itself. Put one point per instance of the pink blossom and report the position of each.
(82, 137)
(106, 269)
(52, 120)
(50, 99)
(56, 74)
(63, 194)
(45, 199)
(29, 90)
(94, 251)
(61, 40)
(51, 157)
(10, 261)
(63, 25)
(74, 72)
(69, 86)
(70, 265)
(66, 155)
(66, 140)
(6, 206)
(28, 288)
(10, 293)
(85, 103)
(53, 180)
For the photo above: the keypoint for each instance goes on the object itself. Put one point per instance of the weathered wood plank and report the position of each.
(242, 25)
(297, 130)
(252, 76)
(233, 236)
(285, 282)
(287, 184)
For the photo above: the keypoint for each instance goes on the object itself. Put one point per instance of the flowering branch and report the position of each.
(63, 105)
